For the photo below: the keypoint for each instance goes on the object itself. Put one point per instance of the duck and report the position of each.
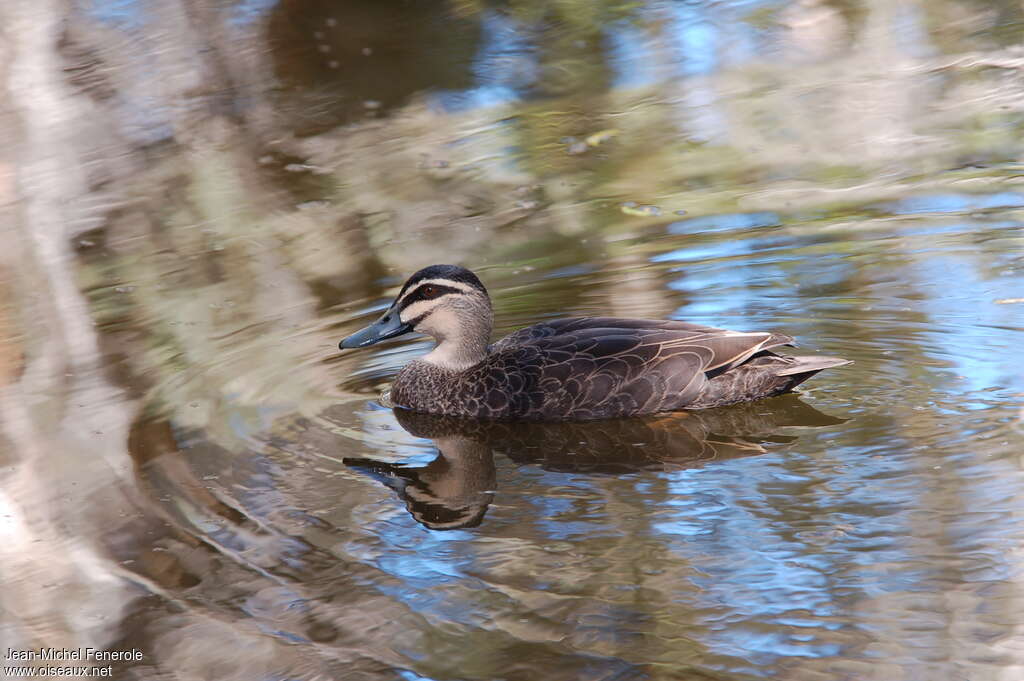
(571, 369)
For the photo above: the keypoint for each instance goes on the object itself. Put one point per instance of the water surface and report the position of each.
(205, 197)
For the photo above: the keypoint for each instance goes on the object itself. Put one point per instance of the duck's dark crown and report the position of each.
(450, 272)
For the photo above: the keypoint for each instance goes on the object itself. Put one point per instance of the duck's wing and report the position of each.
(603, 367)
(586, 325)
(608, 336)
(572, 325)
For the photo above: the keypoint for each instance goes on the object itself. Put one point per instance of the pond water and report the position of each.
(204, 198)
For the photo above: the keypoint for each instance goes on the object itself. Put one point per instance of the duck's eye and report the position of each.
(428, 291)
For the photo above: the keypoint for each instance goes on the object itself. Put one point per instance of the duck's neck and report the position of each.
(461, 342)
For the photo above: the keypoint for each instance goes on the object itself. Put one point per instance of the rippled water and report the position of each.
(206, 198)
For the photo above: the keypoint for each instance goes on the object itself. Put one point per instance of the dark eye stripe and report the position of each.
(416, 295)
(415, 322)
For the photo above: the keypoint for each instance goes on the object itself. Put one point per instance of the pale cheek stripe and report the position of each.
(417, 309)
(421, 308)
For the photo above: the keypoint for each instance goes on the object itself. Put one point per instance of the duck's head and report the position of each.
(447, 302)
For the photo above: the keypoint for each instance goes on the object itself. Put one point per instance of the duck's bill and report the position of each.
(388, 326)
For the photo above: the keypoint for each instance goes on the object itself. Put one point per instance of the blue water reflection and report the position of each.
(125, 14)
(504, 67)
(952, 203)
(977, 335)
(724, 222)
(694, 39)
(957, 292)
(632, 56)
(247, 12)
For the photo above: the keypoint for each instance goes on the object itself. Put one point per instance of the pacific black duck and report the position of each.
(581, 368)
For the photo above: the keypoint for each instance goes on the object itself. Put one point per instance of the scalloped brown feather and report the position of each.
(603, 367)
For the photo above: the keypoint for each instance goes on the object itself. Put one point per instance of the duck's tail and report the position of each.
(763, 375)
(802, 368)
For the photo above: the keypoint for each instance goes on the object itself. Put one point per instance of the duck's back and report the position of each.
(604, 367)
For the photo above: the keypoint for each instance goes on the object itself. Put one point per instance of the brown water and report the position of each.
(202, 198)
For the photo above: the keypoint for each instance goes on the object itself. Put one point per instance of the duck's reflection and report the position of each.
(452, 491)
(455, 489)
